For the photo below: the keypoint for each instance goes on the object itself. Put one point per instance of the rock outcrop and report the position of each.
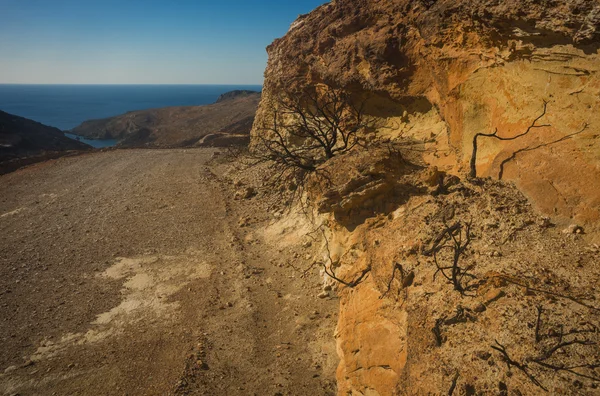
(24, 141)
(442, 71)
(441, 280)
(436, 73)
(228, 121)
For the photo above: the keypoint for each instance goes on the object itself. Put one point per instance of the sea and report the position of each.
(67, 106)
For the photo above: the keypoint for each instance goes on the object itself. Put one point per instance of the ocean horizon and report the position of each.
(65, 106)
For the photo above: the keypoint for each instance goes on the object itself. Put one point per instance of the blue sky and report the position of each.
(141, 41)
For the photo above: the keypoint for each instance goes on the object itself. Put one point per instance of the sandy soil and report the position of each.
(127, 272)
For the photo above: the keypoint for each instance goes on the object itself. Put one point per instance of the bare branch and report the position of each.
(331, 273)
(454, 273)
(308, 126)
(521, 366)
(453, 385)
(514, 155)
(473, 163)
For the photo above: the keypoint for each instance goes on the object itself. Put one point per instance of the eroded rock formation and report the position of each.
(437, 73)
(445, 70)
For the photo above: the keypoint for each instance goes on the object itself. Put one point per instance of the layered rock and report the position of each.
(404, 328)
(436, 73)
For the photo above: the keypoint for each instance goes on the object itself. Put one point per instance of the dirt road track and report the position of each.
(127, 273)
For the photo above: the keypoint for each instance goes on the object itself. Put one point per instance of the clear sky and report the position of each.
(141, 41)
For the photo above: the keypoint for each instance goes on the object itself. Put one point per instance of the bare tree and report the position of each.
(573, 351)
(308, 126)
(473, 164)
(456, 239)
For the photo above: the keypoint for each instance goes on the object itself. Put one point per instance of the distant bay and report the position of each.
(93, 142)
(66, 106)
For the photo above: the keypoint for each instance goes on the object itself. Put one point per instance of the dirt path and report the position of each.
(127, 273)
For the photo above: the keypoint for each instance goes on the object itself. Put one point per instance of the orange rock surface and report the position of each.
(437, 73)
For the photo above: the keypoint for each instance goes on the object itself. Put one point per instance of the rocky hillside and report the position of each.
(451, 284)
(469, 291)
(23, 141)
(227, 121)
(235, 94)
(442, 71)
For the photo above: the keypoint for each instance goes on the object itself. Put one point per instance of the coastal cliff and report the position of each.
(413, 319)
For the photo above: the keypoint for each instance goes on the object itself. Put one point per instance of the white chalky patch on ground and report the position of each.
(149, 283)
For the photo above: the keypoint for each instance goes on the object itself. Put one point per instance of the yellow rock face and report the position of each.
(437, 73)
(558, 165)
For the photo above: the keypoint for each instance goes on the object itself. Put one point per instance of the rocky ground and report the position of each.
(176, 272)
(137, 272)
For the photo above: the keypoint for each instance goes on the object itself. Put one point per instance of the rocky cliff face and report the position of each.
(437, 73)
(449, 69)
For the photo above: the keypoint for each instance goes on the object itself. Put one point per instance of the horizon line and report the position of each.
(215, 84)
